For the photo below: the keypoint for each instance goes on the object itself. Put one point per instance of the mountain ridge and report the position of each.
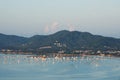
(65, 40)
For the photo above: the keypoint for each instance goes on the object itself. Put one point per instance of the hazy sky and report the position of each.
(31, 17)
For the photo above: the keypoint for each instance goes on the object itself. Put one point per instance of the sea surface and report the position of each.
(26, 67)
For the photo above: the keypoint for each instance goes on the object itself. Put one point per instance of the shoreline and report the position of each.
(62, 54)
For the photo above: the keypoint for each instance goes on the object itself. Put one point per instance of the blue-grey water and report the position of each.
(24, 67)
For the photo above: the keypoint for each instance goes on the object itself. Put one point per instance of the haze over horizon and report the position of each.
(42, 17)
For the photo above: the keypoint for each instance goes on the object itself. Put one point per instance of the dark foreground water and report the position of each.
(22, 67)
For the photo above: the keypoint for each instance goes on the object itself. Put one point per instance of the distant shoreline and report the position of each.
(62, 54)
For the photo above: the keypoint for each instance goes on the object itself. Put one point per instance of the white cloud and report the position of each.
(51, 28)
(54, 26)
(46, 30)
(71, 27)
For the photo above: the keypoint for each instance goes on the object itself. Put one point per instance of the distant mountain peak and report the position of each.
(62, 31)
(73, 40)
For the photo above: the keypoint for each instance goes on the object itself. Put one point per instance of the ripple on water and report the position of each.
(22, 67)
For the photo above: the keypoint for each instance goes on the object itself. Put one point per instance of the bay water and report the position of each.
(26, 67)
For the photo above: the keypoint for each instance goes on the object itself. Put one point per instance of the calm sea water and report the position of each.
(23, 67)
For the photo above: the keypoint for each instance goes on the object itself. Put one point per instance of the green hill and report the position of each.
(11, 41)
(62, 40)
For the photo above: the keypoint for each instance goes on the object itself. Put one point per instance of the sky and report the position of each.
(42, 17)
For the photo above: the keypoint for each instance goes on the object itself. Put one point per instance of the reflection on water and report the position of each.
(28, 59)
(22, 67)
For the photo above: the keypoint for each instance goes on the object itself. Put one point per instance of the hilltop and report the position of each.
(64, 40)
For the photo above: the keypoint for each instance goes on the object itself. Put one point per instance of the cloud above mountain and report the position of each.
(52, 27)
